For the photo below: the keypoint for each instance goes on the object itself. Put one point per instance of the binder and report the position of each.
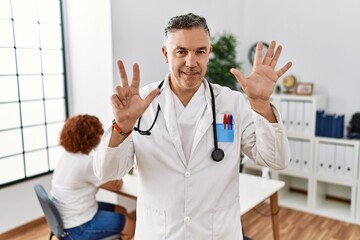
(318, 124)
(297, 155)
(330, 159)
(307, 118)
(284, 105)
(305, 155)
(340, 126)
(292, 116)
(321, 166)
(334, 126)
(329, 118)
(339, 160)
(299, 117)
(292, 151)
(349, 161)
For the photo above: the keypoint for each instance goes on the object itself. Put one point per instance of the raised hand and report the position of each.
(127, 105)
(260, 84)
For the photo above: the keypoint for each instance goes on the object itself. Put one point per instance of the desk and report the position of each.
(253, 191)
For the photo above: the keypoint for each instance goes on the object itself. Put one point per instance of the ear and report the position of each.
(165, 54)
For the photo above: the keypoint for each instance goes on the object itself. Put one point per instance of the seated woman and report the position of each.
(74, 186)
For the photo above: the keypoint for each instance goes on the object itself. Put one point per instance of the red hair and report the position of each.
(81, 134)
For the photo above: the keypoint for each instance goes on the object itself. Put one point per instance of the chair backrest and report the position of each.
(53, 217)
(51, 213)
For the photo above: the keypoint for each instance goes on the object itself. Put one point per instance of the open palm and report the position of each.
(260, 84)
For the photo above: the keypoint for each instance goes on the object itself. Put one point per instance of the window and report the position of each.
(33, 102)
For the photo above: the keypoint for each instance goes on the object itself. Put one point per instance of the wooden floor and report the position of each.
(294, 225)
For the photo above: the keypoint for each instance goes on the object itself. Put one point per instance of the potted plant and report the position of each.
(223, 58)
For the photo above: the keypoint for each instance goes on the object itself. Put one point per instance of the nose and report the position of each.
(190, 60)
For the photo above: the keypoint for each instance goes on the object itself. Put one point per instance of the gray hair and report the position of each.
(186, 21)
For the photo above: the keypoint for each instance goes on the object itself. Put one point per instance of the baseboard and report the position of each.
(23, 228)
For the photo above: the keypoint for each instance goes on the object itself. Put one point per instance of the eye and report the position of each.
(201, 52)
(181, 52)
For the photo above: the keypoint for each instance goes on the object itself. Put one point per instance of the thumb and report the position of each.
(151, 96)
(239, 76)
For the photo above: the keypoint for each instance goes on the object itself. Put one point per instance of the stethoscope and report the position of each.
(217, 154)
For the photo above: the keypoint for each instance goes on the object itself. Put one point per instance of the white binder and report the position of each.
(292, 116)
(349, 161)
(299, 117)
(292, 154)
(284, 105)
(339, 160)
(305, 156)
(321, 166)
(307, 118)
(297, 155)
(330, 159)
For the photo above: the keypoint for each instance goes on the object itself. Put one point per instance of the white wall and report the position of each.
(89, 59)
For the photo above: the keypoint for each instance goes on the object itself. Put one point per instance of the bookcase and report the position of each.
(323, 175)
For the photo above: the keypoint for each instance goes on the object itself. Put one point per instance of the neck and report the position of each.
(184, 95)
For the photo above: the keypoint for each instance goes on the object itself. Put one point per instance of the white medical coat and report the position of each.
(199, 198)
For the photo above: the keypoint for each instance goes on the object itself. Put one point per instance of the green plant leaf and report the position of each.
(222, 59)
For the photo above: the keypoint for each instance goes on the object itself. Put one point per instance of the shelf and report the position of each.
(323, 175)
(295, 173)
(343, 141)
(293, 200)
(335, 200)
(294, 97)
(335, 210)
(295, 193)
(300, 136)
(336, 180)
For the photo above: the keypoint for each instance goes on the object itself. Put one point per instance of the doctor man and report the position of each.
(189, 180)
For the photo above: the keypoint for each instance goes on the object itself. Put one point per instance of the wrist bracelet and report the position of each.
(117, 128)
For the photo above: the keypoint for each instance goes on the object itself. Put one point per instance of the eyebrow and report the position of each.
(198, 49)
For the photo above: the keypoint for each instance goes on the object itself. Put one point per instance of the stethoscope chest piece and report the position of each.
(217, 155)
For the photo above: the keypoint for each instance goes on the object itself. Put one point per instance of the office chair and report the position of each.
(53, 217)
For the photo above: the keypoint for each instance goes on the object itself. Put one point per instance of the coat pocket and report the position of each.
(151, 223)
(226, 221)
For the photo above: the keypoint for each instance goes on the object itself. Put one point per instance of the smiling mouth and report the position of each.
(190, 73)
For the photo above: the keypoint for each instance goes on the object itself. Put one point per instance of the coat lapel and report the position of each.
(168, 109)
(205, 121)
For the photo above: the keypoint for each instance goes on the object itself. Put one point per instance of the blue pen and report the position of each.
(231, 121)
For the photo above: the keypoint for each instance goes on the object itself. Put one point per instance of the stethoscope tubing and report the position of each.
(217, 154)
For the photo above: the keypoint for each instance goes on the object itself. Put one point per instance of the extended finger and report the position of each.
(123, 76)
(258, 54)
(276, 56)
(239, 76)
(115, 101)
(269, 53)
(121, 93)
(151, 96)
(136, 76)
(284, 69)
